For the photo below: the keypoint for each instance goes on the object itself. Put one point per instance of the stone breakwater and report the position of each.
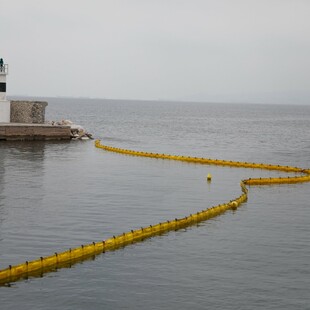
(28, 112)
(27, 122)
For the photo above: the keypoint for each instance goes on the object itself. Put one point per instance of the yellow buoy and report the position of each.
(234, 205)
(209, 177)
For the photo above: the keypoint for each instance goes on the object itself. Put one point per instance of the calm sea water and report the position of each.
(57, 195)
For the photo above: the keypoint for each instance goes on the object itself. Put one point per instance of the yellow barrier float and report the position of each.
(84, 252)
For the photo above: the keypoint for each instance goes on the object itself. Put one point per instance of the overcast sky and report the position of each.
(208, 50)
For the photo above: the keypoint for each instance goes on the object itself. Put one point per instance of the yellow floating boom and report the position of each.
(84, 252)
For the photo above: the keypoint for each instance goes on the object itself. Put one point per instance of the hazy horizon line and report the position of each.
(159, 100)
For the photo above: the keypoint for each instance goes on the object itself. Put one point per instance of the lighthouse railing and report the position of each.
(4, 69)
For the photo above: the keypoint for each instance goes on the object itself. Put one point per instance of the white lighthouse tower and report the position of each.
(4, 104)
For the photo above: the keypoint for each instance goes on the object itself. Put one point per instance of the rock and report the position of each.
(77, 131)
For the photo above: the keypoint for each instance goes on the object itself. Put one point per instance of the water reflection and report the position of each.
(24, 150)
(2, 170)
(18, 192)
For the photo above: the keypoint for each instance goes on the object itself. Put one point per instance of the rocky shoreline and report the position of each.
(77, 131)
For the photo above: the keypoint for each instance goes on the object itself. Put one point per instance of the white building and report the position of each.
(4, 104)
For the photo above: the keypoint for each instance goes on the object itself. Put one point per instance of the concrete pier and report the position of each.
(22, 131)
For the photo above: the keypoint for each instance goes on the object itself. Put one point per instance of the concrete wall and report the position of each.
(30, 112)
(13, 131)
